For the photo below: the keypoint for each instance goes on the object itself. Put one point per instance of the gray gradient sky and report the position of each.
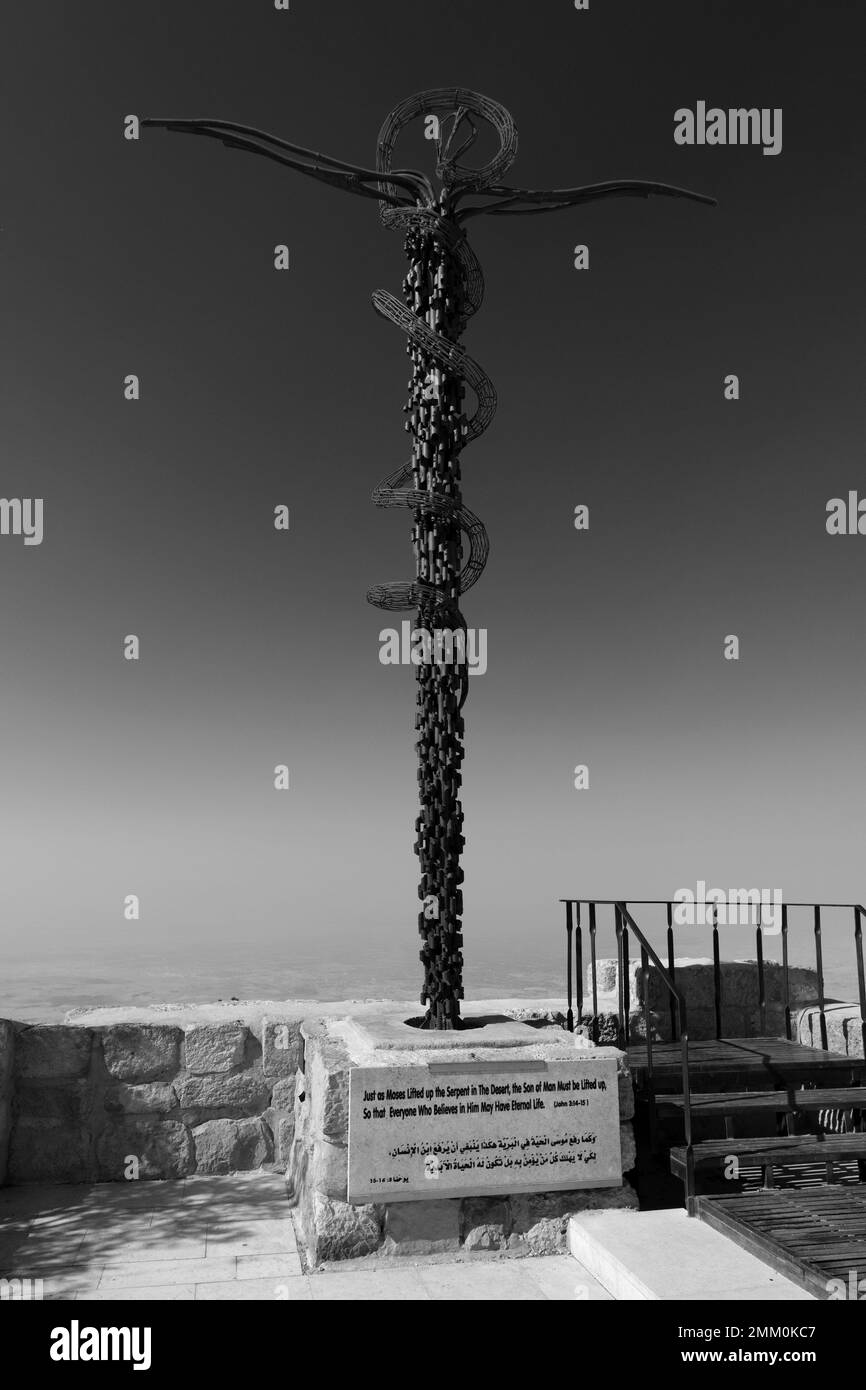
(605, 648)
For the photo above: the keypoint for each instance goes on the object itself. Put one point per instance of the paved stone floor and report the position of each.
(229, 1238)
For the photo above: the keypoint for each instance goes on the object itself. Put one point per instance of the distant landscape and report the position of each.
(43, 987)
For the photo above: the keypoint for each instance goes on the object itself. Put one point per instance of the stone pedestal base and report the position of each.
(513, 1223)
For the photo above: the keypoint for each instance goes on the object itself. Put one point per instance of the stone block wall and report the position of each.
(146, 1100)
(741, 1014)
(7, 1042)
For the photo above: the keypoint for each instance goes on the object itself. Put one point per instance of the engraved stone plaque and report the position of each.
(464, 1129)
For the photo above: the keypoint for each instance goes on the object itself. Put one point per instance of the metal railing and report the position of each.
(623, 921)
(592, 904)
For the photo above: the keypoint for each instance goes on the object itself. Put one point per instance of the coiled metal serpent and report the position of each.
(444, 286)
(442, 289)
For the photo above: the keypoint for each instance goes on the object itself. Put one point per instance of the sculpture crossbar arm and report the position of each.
(552, 200)
(350, 177)
(443, 287)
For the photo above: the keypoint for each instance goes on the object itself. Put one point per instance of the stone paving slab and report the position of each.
(156, 1273)
(257, 1290)
(561, 1277)
(226, 1238)
(117, 1246)
(175, 1293)
(373, 1286)
(266, 1235)
(498, 1281)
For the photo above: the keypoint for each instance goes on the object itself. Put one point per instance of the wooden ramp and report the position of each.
(816, 1237)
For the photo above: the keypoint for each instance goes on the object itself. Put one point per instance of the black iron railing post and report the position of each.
(819, 965)
(645, 976)
(717, 973)
(569, 928)
(672, 969)
(691, 1207)
(647, 1028)
(592, 957)
(786, 985)
(578, 966)
(762, 989)
(626, 978)
(620, 983)
(861, 979)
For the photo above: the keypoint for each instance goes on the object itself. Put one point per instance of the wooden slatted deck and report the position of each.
(788, 1099)
(742, 1063)
(782, 1150)
(813, 1237)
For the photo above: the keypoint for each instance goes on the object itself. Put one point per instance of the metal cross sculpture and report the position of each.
(442, 289)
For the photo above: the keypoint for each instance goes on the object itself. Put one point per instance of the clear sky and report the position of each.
(707, 517)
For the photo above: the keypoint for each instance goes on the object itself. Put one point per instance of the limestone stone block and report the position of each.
(555, 1017)
(328, 1080)
(284, 1134)
(601, 1029)
(738, 983)
(163, 1149)
(485, 1237)
(485, 1223)
(844, 1029)
(244, 1091)
(607, 976)
(231, 1146)
(7, 1049)
(696, 979)
(854, 1037)
(5, 1133)
(802, 985)
(702, 1024)
(281, 1046)
(775, 1019)
(344, 1232)
(52, 1051)
(214, 1047)
(637, 1026)
(837, 1031)
(740, 1021)
(48, 1150)
(541, 1219)
(328, 1169)
(7, 1045)
(283, 1094)
(141, 1051)
(149, 1098)
(69, 1101)
(698, 983)
(752, 1026)
(422, 1228)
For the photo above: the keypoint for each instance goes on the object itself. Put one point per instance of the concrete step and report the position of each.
(661, 1255)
